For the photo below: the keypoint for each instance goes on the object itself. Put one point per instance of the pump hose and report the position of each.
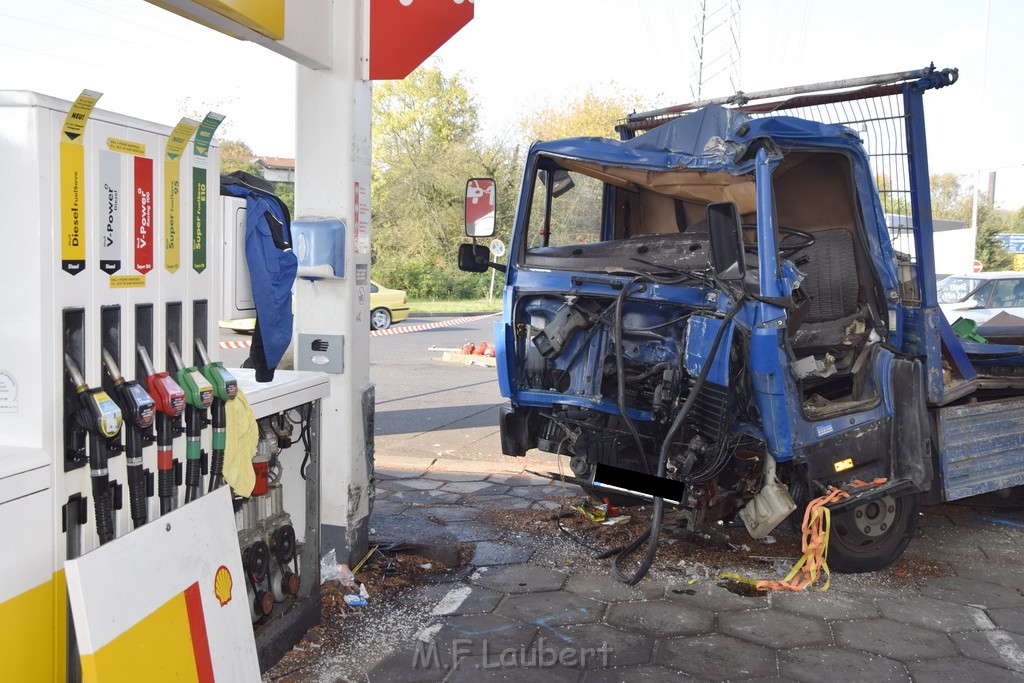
(193, 452)
(104, 509)
(101, 489)
(650, 536)
(165, 488)
(193, 479)
(138, 501)
(219, 415)
(137, 495)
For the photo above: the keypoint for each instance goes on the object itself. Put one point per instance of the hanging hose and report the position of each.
(219, 415)
(101, 488)
(166, 487)
(650, 536)
(138, 501)
(193, 453)
(620, 373)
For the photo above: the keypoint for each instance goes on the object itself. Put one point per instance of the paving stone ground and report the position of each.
(536, 608)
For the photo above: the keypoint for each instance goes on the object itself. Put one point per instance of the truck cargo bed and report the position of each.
(981, 448)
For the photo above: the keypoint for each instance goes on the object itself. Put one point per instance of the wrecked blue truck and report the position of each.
(716, 313)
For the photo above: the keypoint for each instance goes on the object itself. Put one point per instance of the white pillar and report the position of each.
(333, 158)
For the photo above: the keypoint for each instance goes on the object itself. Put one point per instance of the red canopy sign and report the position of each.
(403, 33)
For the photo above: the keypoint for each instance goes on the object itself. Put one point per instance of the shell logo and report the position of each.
(222, 585)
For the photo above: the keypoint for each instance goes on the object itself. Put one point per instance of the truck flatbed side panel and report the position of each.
(980, 447)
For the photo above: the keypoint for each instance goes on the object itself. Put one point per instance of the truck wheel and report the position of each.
(871, 536)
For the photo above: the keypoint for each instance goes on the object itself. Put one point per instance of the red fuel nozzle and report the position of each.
(167, 395)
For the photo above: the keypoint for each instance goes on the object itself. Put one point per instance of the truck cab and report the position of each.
(714, 313)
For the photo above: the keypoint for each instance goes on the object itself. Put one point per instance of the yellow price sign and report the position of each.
(72, 183)
(176, 144)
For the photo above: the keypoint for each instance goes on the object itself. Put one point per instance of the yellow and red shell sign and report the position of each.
(222, 585)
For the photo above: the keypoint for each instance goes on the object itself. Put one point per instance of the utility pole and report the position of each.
(716, 48)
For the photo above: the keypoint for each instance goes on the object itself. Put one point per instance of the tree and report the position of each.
(427, 111)
(425, 148)
(590, 114)
(953, 200)
(235, 155)
(1017, 224)
(286, 193)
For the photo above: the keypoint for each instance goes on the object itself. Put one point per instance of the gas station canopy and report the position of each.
(402, 33)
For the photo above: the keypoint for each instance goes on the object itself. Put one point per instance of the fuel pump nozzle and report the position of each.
(225, 388)
(138, 408)
(198, 399)
(169, 402)
(101, 418)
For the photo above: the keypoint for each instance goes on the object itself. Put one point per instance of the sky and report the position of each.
(522, 54)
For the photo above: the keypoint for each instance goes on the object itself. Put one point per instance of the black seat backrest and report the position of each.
(831, 281)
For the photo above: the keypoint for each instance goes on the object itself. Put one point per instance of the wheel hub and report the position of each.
(875, 517)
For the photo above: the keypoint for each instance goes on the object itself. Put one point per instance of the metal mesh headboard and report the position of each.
(874, 106)
(881, 122)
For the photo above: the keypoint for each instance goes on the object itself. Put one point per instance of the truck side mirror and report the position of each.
(473, 258)
(561, 182)
(481, 200)
(726, 232)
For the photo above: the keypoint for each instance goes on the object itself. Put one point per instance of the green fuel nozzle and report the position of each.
(198, 390)
(225, 386)
(199, 397)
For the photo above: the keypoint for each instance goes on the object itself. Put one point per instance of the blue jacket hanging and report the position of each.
(272, 266)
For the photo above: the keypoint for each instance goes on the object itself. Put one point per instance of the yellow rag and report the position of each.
(242, 436)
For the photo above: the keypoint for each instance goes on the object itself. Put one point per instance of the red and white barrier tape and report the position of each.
(429, 326)
(246, 343)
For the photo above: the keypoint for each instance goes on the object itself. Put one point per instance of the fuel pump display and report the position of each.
(169, 402)
(101, 418)
(138, 408)
(225, 388)
(198, 399)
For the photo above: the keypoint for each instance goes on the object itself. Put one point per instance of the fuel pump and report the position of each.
(198, 399)
(137, 407)
(101, 418)
(169, 402)
(225, 388)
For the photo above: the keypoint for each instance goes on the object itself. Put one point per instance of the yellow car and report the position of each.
(386, 306)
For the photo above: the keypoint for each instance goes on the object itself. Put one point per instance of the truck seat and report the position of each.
(832, 288)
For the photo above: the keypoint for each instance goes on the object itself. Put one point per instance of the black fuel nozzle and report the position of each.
(101, 417)
(139, 409)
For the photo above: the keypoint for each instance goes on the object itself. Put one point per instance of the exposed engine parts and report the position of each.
(676, 379)
(656, 379)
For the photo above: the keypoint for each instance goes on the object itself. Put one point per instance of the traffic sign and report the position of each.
(977, 266)
(498, 248)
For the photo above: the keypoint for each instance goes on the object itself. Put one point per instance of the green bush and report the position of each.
(425, 281)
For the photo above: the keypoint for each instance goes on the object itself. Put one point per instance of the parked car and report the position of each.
(980, 296)
(387, 306)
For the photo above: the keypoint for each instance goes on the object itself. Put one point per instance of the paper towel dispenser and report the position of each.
(320, 248)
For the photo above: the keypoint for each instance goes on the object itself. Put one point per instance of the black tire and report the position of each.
(871, 536)
(380, 318)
